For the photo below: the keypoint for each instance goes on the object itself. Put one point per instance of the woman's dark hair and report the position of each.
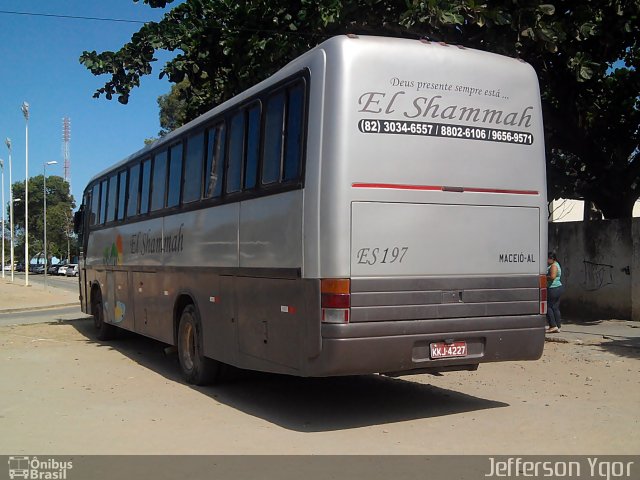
(553, 256)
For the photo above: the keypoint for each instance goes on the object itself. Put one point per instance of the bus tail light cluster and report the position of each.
(543, 294)
(335, 299)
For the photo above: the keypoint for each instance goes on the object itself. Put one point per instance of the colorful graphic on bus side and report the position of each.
(113, 254)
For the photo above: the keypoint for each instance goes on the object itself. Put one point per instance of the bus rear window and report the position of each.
(284, 122)
(293, 148)
(273, 131)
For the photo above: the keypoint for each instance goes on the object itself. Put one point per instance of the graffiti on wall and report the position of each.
(597, 275)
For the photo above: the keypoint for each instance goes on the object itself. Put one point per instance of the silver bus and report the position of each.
(376, 206)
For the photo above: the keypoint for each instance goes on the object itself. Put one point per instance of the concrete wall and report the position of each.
(600, 267)
(567, 210)
(635, 271)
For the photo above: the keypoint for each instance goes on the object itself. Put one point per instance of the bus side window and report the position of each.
(215, 161)
(78, 221)
(253, 147)
(122, 193)
(192, 183)
(273, 133)
(146, 186)
(95, 205)
(111, 202)
(175, 175)
(103, 202)
(295, 120)
(159, 181)
(236, 151)
(134, 191)
(80, 224)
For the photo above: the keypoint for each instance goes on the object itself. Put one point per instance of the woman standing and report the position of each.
(554, 292)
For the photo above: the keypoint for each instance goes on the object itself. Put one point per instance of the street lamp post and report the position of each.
(3, 219)
(7, 142)
(16, 201)
(25, 112)
(53, 162)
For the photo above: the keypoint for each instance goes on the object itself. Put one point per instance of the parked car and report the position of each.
(62, 269)
(19, 267)
(38, 268)
(53, 269)
(72, 270)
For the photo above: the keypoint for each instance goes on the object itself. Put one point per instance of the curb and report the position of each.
(596, 343)
(32, 309)
(566, 340)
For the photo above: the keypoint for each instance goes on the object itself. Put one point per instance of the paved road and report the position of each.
(42, 316)
(65, 392)
(67, 283)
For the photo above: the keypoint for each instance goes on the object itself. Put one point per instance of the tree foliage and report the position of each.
(591, 108)
(60, 205)
(173, 107)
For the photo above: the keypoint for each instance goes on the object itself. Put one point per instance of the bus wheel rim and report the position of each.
(188, 346)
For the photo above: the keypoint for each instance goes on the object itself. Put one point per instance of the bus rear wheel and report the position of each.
(196, 368)
(104, 331)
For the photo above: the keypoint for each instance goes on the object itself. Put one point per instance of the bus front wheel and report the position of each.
(196, 368)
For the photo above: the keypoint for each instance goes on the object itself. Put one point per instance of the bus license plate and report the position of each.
(448, 350)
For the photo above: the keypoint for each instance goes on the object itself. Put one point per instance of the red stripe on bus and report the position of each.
(498, 190)
(396, 186)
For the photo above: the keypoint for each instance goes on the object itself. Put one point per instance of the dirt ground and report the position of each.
(63, 392)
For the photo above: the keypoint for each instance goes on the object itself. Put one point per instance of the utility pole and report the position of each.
(7, 142)
(25, 112)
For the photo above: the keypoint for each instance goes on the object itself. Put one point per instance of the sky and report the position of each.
(39, 64)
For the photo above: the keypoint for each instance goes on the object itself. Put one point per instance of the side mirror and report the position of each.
(78, 221)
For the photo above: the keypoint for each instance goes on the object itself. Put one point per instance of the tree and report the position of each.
(592, 111)
(173, 107)
(60, 205)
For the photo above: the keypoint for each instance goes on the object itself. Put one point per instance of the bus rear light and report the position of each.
(335, 299)
(335, 285)
(543, 294)
(335, 315)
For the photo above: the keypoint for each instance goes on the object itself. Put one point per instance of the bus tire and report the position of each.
(104, 330)
(196, 368)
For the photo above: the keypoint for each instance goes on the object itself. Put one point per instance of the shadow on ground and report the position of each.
(618, 343)
(628, 347)
(305, 404)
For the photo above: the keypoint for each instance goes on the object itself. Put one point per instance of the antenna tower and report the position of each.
(66, 138)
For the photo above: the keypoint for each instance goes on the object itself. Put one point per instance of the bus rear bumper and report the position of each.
(400, 348)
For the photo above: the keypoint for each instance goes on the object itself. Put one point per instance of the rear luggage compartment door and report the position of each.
(409, 239)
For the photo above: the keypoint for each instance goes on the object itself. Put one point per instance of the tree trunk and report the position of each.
(615, 207)
(591, 212)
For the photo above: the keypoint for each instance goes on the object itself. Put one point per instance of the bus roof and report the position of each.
(332, 45)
